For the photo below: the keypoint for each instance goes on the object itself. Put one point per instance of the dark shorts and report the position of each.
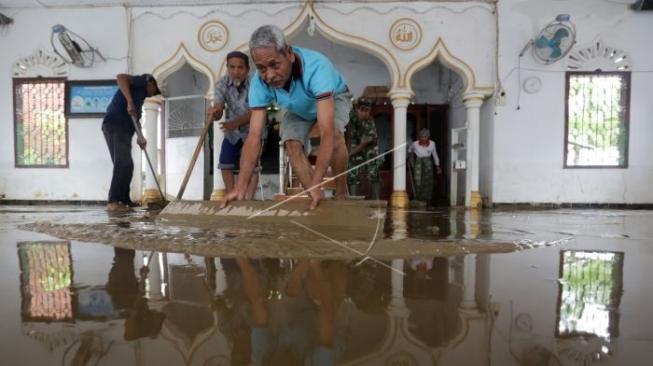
(230, 154)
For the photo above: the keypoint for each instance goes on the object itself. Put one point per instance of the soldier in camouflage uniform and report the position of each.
(363, 147)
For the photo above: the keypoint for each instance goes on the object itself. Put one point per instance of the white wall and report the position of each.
(185, 81)
(529, 142)
(359, 69)
(486, 162)
(432, 84)
(89, 172)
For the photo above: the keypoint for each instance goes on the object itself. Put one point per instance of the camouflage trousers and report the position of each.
(423, 175)
(372, 170)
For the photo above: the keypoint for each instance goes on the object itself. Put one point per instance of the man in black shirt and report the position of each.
(118, 131)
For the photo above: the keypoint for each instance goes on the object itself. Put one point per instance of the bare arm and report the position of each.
(252, 288)
(436, 160)
(434, 154)
(326, 123)
(362, 145)
(124, 81)
(238, 121)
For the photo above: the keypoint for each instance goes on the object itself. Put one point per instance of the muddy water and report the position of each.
(448, 287)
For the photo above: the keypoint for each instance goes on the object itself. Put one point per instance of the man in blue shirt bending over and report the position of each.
(310, 90)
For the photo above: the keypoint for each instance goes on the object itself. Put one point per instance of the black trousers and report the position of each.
(119, 141)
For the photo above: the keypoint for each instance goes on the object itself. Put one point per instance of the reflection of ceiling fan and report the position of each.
(554, 41)
(79, 51)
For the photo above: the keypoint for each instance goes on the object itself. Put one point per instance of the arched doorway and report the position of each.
(184, 111)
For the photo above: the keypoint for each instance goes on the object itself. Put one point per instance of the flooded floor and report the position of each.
(447, 287)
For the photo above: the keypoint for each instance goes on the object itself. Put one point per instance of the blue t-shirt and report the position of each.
(315, 79)
(117, 109)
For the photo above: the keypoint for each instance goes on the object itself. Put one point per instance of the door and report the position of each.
(429, 116)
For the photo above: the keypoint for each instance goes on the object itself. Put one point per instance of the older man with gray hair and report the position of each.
(310, 90)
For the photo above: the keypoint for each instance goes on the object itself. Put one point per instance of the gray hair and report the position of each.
(268, 36)
(424, 133)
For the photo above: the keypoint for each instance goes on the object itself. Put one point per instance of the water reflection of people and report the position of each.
(292, 317)
(369, 287)
(233, 318)
(432, 301)
(127, 296)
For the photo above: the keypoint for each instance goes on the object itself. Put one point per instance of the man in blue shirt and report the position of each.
(308, 87)
(118, 131)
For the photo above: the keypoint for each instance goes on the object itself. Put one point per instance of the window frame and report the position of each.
(626, 75)
(26, 80)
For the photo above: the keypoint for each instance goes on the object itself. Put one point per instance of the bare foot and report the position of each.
(316, 195)
(117, 207)
(340, 196)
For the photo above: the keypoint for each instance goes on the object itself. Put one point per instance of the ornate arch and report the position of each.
(308, 14)
(40, 63)
(442, 53)
(177, 60)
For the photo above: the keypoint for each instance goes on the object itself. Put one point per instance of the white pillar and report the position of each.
(398, 224)
(154, 278)
(397, 306)
(469, 282)
(473, 104)
(220, 278)
(218, 184)
(400, 100)
(282, 170)
(150, 191)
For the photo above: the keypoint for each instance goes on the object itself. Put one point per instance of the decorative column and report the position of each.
(218, 184)
(150, 123)
(154, 278)
(397, 307)
(473, 104)
(469, 282)
(400, 100)
(281, 194)
(398, 224)
(220, 278)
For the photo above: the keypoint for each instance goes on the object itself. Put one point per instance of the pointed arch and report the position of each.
(442, 53)
(308, 14)
(177, 60)
(360, 43)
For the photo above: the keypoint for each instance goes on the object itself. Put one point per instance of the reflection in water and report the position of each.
(244, 311)
(590, 292)
(128, 297)
(591, 286)
(288, 315)
(190, 318)
(445, 310)
(45, 280)
(432, 300)
(270, 311)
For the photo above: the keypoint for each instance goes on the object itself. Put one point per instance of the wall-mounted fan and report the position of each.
(554, 41)
(79, 52)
